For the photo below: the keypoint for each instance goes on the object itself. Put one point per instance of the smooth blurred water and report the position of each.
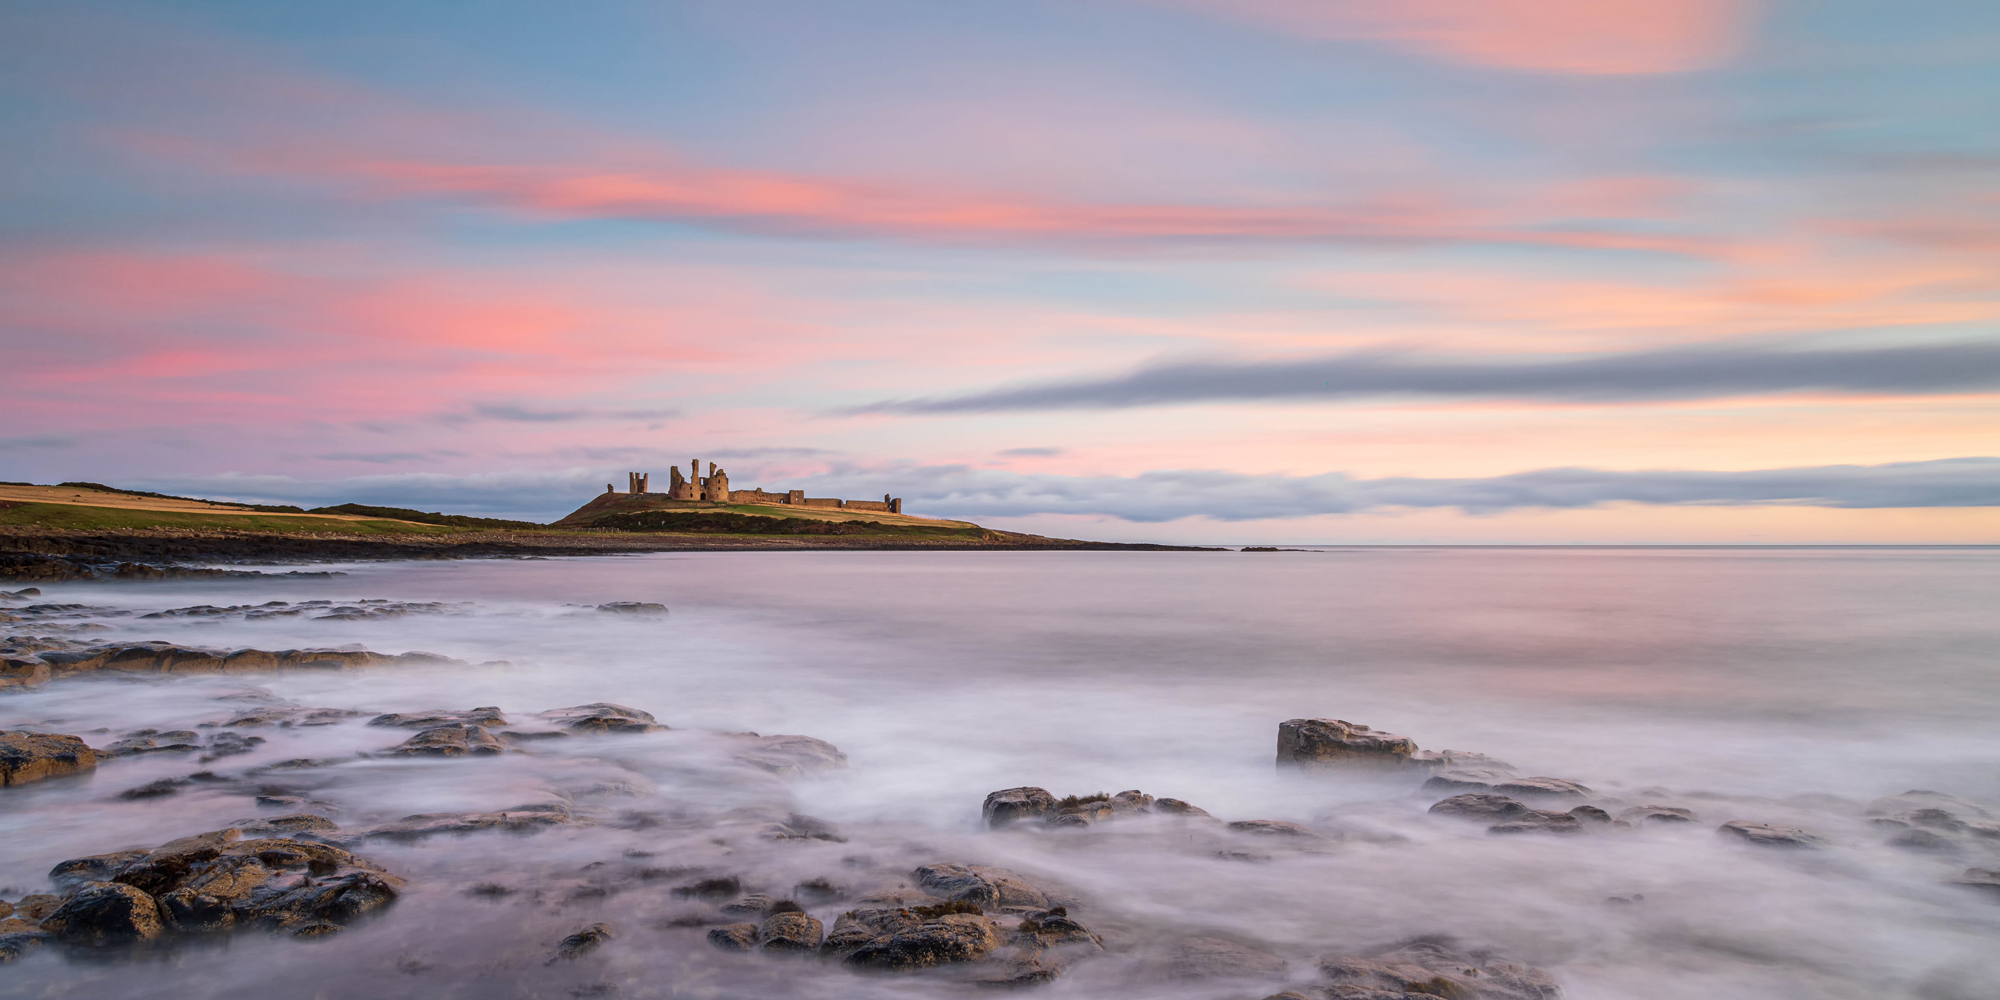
(1790, 686)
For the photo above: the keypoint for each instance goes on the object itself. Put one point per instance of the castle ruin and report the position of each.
(714, 488)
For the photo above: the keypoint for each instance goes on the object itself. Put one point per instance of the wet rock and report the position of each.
(1434, 967)
(1011, 805)
(488, 715)
(97, 868)
(1769, 834)
(167, 658)
(734, 937)
(16, 945)
(1652, 815)
(1317, 744)
(229, 745)
(790, 756)
(582, 943)
(754, 904)
(1591, 815)
(455, 740)
(106, 913)
(27, 757)
(1927, 841)
(1271, 828)
(981, 885)
(632, 608)
(153, 741)
(36, 907)
(1054, 927)
(277, 883)
(23, 672)
(1175, 807)
(298, 825)
(1500, 782)
(1467, 779)
(1482, 806)
(1985, 880)
(820, 890)
(1221, 958)
(285, 717)
(1021, 971)
(520, 819)
(792, 932)
(1537, 821)
(1131, 800)
(1920, 798)
(166, 866)
(601, 718)
(798, 826)
(723, 887)
(155, 789)
(924, 943)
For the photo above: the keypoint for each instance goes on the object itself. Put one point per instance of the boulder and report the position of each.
(1011, 805)
(600, 718)
(1769, 834)
(1537, 821)
(1654, 815)
(734, 937)
(1175, 807)
(790, 931)
(455, 740)
(980, 885)
(581, 943)
(1221, 958)
(26, 757)
(1481, 806)
(1591, 815)
(922, 943)
(723, 887)
(15, 945)
(488, 715)
(106, 913)
(1434, 967)
(1320, 744)
(96, 868)
(789, 756)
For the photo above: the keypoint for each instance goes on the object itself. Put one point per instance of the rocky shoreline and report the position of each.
(606, 865)
(46, 555)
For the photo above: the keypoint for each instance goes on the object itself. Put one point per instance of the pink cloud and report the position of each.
(1597, 37)
(665, 189)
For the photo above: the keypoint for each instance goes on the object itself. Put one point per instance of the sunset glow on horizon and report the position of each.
(1253, 271)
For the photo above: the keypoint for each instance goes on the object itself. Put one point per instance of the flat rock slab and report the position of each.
(489, 715)
(28, 757)
(1770, 834)
(1431, 967)
(1317, 744)
(601, 718)
(456, 740)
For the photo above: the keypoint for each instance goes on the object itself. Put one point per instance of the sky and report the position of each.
(1201, 271)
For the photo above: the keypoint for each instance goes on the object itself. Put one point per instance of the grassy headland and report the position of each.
(81, 531)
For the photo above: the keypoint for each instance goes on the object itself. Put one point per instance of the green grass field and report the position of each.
(58, 515)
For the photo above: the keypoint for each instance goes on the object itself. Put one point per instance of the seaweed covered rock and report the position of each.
(1427, 968)
(455, 740)
(27, 757)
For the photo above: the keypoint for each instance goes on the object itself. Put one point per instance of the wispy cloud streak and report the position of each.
(1676, 374)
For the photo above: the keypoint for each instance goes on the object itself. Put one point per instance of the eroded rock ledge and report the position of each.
(31, 669)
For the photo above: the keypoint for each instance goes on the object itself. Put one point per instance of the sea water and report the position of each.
(1791, 686)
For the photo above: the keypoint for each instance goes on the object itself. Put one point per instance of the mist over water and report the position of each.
(1782, 686)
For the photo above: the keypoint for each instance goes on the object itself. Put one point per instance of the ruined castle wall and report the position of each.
(759, 496)
(866, 505)
(823, 502)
